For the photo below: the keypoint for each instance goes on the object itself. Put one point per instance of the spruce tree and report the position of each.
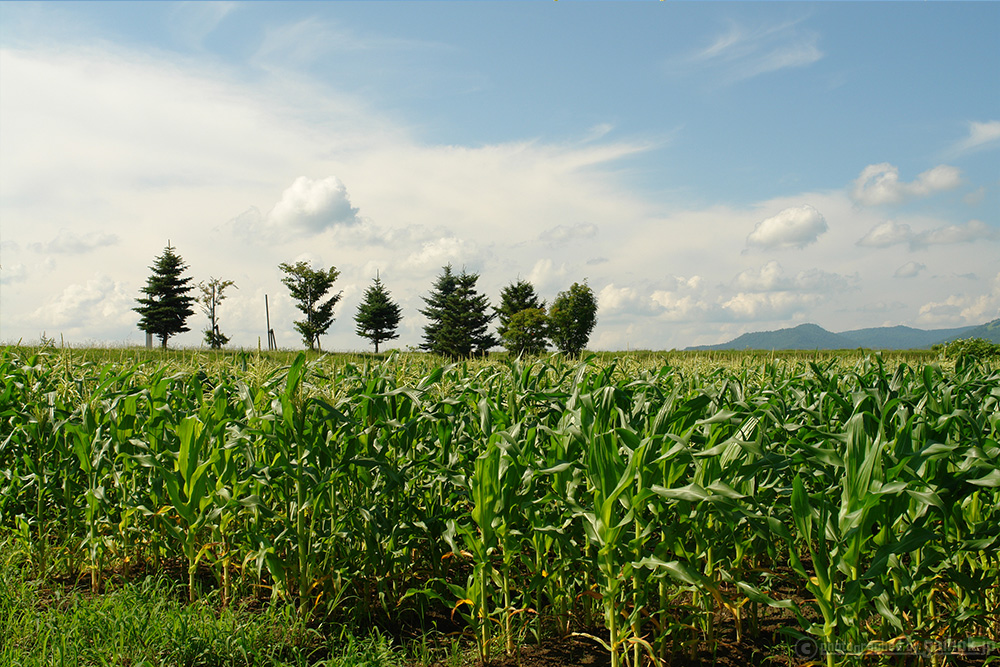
(377, 316)
(166, 306)
(459, 317)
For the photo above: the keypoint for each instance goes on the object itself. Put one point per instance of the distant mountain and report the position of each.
(902, 338)
(802, 337)
(814, 337)
(990, 331)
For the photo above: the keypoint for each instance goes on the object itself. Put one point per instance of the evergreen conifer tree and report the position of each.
(378, 315)
(166, 306)
(459, 317)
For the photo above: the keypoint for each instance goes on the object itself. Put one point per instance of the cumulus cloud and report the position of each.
(880, 184)
(768, 278)
(98, 304)
(448, 250)
(69, 243)
(545, 276)
(561, 234)
(890, 233)
(772, 278)
(312, 206)
(769, 305)
(961, 309)
(308, 207)
(909, 270)
(794, 227)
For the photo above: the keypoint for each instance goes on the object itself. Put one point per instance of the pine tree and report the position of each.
(459, 317)
(522, 334)
(166, 306)
(308, 287)
(377, 316)
(572, 317)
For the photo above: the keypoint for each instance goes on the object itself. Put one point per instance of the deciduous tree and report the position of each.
(166, 306)
(522, 333)
(212, 294)
(308, 286)
(572, 317)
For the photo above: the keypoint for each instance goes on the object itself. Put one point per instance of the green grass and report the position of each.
(149, 622)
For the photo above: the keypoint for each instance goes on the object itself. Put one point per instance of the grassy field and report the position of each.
(189, 507)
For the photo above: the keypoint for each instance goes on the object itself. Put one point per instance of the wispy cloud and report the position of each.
(981, 136)
(745, 52)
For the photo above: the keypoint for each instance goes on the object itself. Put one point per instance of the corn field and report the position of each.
(651, 509)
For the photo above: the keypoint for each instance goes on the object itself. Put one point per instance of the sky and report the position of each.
(708, 169)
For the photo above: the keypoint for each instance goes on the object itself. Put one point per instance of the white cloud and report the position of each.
(770, 305)
(886, 234)
(909, 270)
(450, 250)
(880, 184)
(768, 278)
(98, 305)
(981, 136)
(794, 227)
(13, 273)
(745, 52)
(891, 233)
(561, 234)
(962, 309)
(312, 206)
(67, 242)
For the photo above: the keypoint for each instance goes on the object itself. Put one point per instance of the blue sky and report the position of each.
(708, 168)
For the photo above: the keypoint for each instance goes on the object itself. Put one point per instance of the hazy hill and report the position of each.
(902, 338)
(802, 337)
(814, 337)
(990, 331)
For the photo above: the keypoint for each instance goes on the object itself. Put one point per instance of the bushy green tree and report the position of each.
(572, 318)
(529, 334)
(458, 317)
(378, 315)
(212, 294)
(166, 306)
(526, 332)
(308, 286)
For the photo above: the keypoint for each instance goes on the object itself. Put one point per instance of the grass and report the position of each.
(148, 622)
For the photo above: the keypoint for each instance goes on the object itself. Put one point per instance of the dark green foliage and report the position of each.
(212, 294)
(166, 306)
(976, 348)
(378, 315)
(308, 287)
(572, 317)
(458, 317)
(529, 334)
(526, 332)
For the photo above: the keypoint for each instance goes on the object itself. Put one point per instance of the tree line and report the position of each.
(458, 315)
